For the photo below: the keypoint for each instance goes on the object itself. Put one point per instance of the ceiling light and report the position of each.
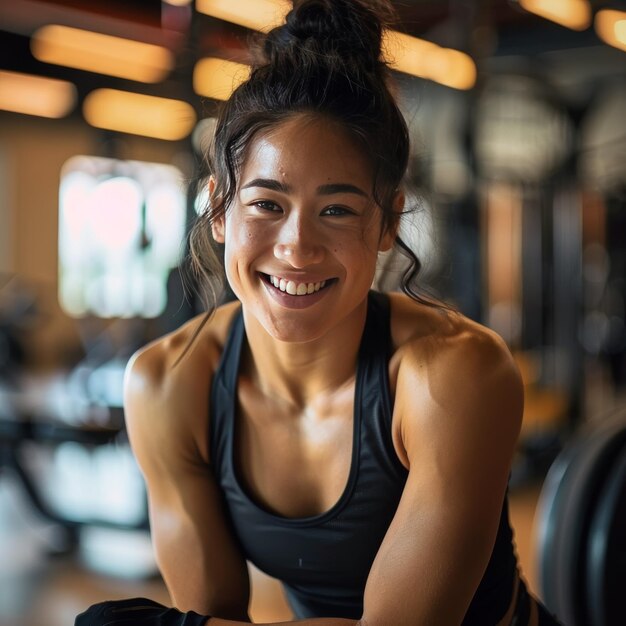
(103, 54)
(255, 14)
(36, 95)
(218, 78)
(425, 59)
(139, 114)
(574, 14)
(611, 27)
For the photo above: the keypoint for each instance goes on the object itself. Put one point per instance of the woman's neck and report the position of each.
(298, 373)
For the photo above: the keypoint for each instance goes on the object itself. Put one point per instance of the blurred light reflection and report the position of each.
(218, 78)
(36, 95)
(254, 14)
(574, 14)
(611, 27)
(101, 53)
(139, 114)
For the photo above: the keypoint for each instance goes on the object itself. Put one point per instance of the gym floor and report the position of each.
(40, 589)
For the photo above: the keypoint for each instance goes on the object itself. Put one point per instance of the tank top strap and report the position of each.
(222, 393)
(228, 369)
(374, 395)
(376, 339)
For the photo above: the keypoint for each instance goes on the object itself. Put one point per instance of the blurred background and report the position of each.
(516, 111)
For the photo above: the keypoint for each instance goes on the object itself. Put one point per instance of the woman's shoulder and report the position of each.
(448, 370)
(167, 384)
(430, 337)
(186, 356)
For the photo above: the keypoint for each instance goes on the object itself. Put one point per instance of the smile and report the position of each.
(295, 288)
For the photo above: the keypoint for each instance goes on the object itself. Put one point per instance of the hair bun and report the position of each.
(347, 29)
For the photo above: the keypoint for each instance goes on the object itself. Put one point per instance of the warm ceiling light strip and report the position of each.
(103, 54)
(260, 15)
(218, 78)
(611, 27)
(425, 59)
(139, 114)
(36, 95)
(574, 14)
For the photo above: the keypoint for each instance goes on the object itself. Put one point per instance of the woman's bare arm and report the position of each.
(167, 421)
(460, 401)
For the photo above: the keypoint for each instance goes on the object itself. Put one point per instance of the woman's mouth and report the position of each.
(294, 288)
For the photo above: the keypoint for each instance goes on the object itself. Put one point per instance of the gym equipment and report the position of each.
(581, 527)
(19, 428)
(606, 549)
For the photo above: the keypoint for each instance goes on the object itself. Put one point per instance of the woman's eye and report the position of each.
(336, 211)
(267, 205)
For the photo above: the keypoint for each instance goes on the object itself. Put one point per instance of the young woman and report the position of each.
(353, 444)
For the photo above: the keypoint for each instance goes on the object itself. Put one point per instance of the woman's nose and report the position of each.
(299, 246)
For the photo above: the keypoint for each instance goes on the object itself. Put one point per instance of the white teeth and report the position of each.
(296, 289)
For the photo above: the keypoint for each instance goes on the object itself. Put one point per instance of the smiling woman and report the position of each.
(354, 445)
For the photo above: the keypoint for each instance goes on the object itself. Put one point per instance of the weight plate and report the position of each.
(606, 551)
(547, 523)
(565, 510)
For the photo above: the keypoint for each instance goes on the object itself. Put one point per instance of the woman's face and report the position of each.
(303, 232)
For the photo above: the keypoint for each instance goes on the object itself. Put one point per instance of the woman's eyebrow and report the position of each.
(268, 183)
(331, 188)
(324, 190)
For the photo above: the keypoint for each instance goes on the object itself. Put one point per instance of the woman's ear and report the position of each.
(217, 223)
(388, 237)
(217, 229)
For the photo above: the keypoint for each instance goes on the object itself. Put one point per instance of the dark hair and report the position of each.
(325, 60)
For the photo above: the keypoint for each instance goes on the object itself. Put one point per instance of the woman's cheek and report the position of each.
(242, 235)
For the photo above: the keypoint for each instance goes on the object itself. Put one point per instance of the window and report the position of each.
(121, 230)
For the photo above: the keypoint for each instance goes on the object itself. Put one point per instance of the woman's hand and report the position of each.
(137, 612)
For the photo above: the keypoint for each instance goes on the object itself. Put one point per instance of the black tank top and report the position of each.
(324, 561)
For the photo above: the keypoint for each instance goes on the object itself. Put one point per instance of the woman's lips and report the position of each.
(288, 295)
